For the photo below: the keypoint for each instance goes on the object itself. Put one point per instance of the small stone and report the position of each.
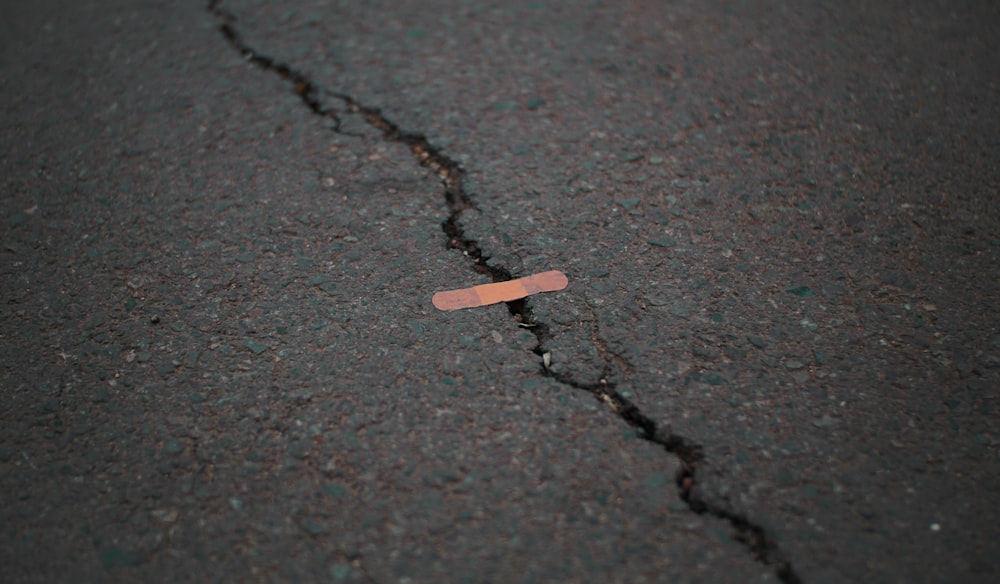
(679, 311)
(165, 515)
(823, 422)
(708, 377)
(794, 365)
(255, 347)
(317, 280)
(757, 341)
(656, 300)
(313, 527)
(336, 490)
(659, 481)
(164, 368)
(706, 352)
(785, 477)
(506, 106)
(663, 242)
(343, 573)
(191, 358)
(800, 291)
(81, 428)
(299, 449)
(113, 556)
(173, 446)
(735, 353)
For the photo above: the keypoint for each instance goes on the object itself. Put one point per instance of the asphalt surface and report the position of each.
(777, 358)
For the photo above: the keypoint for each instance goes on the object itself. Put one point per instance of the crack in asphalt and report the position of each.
(762, 547)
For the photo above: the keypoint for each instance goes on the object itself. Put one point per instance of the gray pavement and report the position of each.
(777, 358)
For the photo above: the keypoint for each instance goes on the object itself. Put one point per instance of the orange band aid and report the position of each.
(487, 294)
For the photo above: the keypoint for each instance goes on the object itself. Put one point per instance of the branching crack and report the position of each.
(689, 453)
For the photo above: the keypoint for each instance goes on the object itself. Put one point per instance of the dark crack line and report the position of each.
(690, 454)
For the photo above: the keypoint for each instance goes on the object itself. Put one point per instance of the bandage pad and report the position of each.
(487, 294)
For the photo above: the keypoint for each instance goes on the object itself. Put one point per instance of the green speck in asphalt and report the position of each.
(658, 480)
(101, 395)
(173, 446)
(785, 478)
(313, 527)
(343, 573)
(336, 490)
(800, 291)
(113, 556)
(708, 377)
(506, 106)
(535, 103)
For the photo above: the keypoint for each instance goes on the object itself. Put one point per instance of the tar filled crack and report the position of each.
(761, 546)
